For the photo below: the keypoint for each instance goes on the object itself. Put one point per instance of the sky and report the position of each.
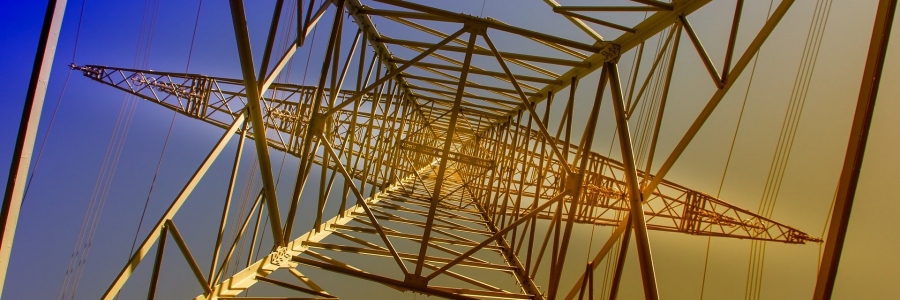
(110, 31)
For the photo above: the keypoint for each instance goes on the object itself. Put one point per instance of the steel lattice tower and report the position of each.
(456, 178)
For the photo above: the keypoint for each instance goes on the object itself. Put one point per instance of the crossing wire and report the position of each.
(166, 141)
(113, 153)
(786, 139)
(728, 160)
(37, 160)
(649, 109)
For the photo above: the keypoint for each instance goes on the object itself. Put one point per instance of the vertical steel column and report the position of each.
(228, 196)
(436, 196)
(270, 42)
(575, 182)
(856, 148)
(729, 52)
(157, 263)
(620, 263)
(31, 117)
(254, 111)
(623, 247)
(537, 190)
(634, 190)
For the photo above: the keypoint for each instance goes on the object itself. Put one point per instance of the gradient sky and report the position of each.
(66, 174)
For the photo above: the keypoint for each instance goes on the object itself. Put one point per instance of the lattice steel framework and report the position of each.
(442, 174)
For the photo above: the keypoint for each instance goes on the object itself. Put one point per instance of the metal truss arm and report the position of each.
(853, 160)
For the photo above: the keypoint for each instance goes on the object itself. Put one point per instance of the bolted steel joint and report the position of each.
(317, 123)
(282, 258)
(574, 182)
(416, 280)
(612, 52)
(475, 28)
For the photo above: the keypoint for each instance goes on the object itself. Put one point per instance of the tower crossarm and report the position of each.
(218, 101)
(671, 207)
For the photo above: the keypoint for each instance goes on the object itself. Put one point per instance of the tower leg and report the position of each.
(31, 116)
(859, 133)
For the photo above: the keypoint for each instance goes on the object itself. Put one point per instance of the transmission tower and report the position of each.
(443, 162)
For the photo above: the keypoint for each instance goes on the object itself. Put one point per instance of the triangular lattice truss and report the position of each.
(442, 159)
